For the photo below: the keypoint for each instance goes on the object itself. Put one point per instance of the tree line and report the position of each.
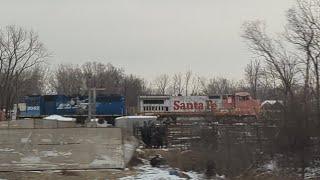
(290, 64)
(25, 70)
(284, 66)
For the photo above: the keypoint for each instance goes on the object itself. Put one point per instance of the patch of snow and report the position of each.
(31, 160)
(139, 150)
(312, 172)
(272, 102)
(102, 160)
(65, 153)
(94, 123)
(6, 150)
(48, 153)
(46, 140)
(25, 140)
(59, 118)
(146, 171)
(270, 166)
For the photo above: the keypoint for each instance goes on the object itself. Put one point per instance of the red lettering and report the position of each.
(200, 106)
(183, 106)
(189, 106)
(195, 105)
(176, 105)
(211, 104)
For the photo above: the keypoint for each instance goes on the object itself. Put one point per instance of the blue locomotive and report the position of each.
(107, 107)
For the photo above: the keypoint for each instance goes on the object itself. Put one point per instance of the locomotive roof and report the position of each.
(242, 94)
(155, 97)
(137, 117)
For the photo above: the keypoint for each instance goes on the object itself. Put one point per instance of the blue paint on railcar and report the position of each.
(37, 106)
(111, 105)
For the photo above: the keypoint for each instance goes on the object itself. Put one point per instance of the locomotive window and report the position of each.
(243, 98)
(34, 102)
(214, 97)
(153, 101)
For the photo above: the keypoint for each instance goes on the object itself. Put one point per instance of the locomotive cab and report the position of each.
(242, 96)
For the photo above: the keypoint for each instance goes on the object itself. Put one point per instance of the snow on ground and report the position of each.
(146, 171)
(270, 166)
(312, 173)
(59, 118)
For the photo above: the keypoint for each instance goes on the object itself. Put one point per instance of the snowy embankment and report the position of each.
(146, 171)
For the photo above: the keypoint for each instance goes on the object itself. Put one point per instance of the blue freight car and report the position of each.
(107, 107)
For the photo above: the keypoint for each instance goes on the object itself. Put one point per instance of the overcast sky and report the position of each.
(147, 37)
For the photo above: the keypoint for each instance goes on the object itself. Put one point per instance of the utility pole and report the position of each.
(93, 103)
(92, 99)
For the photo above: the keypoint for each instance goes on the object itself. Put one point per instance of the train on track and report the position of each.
(238, 106)
(37, 106)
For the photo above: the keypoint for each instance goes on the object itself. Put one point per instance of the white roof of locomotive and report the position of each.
(242, 94)
(154, 97)
(137, 117)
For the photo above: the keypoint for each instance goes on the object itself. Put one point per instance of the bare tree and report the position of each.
(20, 50)
(32, 81)
(303, 31)
(132, 87)
(290, 60)
(253, 74)
(104, 76)
(195, 86)
(221, 86)
(177, 83)
(280, 61)
(187, 80)
(162, 83)
(67, 79)
(203, 85)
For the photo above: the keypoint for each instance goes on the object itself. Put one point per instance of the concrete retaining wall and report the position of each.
(36, 123)
(60, 148)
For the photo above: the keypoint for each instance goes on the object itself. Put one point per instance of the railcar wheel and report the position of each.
(101, 121)
(110, 120)
(81, 120)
